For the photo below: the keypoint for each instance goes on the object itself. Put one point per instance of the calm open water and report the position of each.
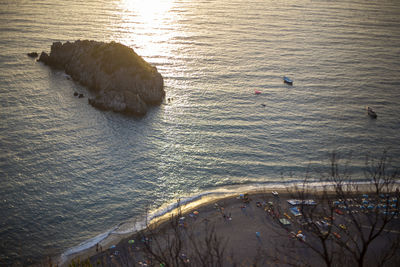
(69, 172)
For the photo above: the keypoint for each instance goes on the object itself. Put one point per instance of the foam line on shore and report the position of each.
(85, 245)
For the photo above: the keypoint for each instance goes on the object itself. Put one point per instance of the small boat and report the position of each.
(371, 113)
(287, 80)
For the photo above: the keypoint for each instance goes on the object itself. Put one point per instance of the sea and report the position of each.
(72, 175)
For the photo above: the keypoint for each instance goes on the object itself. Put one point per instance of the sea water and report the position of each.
(71, 174)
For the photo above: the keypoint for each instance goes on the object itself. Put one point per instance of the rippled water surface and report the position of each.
(69, 172)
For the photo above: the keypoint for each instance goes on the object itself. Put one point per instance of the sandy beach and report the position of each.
(245, 229)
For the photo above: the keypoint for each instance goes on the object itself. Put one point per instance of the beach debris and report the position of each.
(342, 226)
(287, 216)
(131, 241)
(258, 234)
(275, 193)
(257, 92)
(263, 105)
(195, 212)
(113, 246)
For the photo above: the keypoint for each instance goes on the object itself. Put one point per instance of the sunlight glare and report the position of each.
(150, 11)
(143, 25)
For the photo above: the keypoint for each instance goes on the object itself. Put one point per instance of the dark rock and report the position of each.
(75, 94)
(121, 80)
(44, 57)
(33, 54)
(80, 95)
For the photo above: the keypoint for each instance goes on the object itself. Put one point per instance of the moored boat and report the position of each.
(287, 80)
(371, 113)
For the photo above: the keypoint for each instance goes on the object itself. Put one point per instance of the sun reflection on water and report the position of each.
(145, 26)
(152, 28)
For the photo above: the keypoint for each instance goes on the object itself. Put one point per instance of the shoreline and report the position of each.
(160, 216)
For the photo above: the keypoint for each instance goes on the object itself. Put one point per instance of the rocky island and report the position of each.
(119, 79)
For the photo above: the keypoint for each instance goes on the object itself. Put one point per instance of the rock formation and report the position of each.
(120, 79)
(33, 54)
